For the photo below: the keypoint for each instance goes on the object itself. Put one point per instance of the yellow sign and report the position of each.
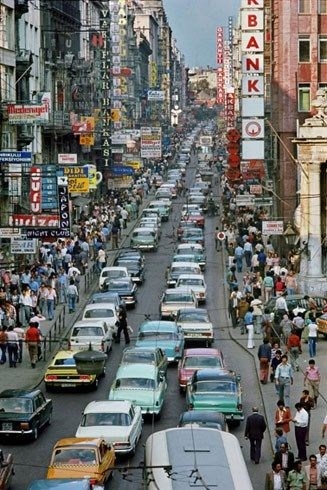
(86, 139)
(78, 184)
(75, 171)
(134, 164)
(115, 115)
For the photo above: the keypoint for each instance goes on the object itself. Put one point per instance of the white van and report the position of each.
(114, 272)
(192, 455)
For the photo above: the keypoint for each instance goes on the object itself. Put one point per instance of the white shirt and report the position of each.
(301, 418)
(281, 303)
(278, 481)
(312, 330)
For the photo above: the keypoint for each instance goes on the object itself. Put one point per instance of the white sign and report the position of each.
(257, 4)
(252, 63)
(253, 85)
(156, 95)
(272, 227)
(21, 246)
(253, 149)
(62, 180)
(67, 158)
(244, 200)
(253, 106)
(263, 201)
(10, 232)
(253, 128)
(252, 42)
(252, 20)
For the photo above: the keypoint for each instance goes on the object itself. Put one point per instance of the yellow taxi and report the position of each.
(62, 373)
(82, 457)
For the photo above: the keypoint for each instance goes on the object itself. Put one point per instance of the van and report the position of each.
(114, 272)
(94, 332)
(192, 455)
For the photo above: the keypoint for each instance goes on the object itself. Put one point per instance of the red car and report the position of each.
(198, 358)
(196, 218)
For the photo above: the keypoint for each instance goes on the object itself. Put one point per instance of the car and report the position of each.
(195, 324)
(195, 218)
(23, 413)
(102, 311)
(186, 258)
(117, 422)
(188, 208)
(164, 192)
(146, 355)
(196, 282)
(146, 212)
(62, 373)
(194, 249)
(132, 253)
(93, 331)
(177, 268)
(162, 207)
(182, 227)
(174, 299)
(144, 238)
(134, 268)
(200, 200)
(202, 186)
(164, 334)
(64, 484)
(295, 301)
(79, 457)
(103, 297)
(6, 470)
(126, 290)
(202, 418)
(194, 359)
(114, 272)
(154, 221)
(157, 180)
(216, 390)
(143, 385)
(193, 235)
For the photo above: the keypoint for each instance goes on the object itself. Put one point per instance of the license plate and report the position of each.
(6, 426)
(67, 385)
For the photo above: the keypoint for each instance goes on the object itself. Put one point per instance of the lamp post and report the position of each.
(290, 236)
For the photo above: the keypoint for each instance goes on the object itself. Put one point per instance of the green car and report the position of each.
(143, 385)
(217, 390)
(145, 239)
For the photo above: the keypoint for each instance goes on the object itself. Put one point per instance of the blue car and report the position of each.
(64, 484)
(164, 334)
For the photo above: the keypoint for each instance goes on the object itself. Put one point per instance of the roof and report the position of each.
(100, 306)
(80, 441)
(111, 406)
(136, 371)
(158, 326)
(213, 374)
(202, 351)
(18, 393)
(193, 415)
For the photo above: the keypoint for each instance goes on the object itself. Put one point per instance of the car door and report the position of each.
(107, 338)
(41, 410)
(134, 429)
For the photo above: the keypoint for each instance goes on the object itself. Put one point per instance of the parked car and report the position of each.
(117, 422)
(6, 470)
(146, 355)
(145, 239)
(64, 484)
(186, 258)
(126, 290)
(196, 282)
(218, 390)
(23, 413)
(131, 253)
(164, 334)
(195, 249)
(62, 373)
(195, 217)
(79, 457)
(134, 268)
(108, 296)
(94, 332)
(102, 311)
(174, 299)
(142, 385)
(195, 324)
(203, 418)
(194, 359)
(114, 272)
(178, 268)
(193, 235)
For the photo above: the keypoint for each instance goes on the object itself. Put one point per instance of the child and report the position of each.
(280, 439)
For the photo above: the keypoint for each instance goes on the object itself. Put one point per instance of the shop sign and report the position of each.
(272, 227)
(22, 246)
(36, 189)
(34, 220)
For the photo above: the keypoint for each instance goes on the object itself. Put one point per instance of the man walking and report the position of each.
(32, 338)
(254, 430)
(284, 380)
(264, 356)
(301, 421)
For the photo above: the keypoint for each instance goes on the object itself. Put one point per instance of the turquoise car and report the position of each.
(143, 385)
(164, 334)
(64, 484)
(217, 390)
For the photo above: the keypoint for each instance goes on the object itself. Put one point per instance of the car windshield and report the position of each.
(99, 313)
(183, 270)
(139, 357)
(123, 286)
(68, 361)
(113, 274)
(105, 419)
(178, 298)
(157, 336)
(74, 455)
(136, 383)
(190, 282)
(87, 332)
(16, 405)
(193, 316)
(214, 386)
(147, 232)
(202, 362)
(193, 232)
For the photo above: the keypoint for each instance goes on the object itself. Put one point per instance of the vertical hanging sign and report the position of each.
(105, 113)
(63, 198)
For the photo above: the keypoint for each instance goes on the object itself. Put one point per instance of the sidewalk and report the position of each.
(24, 377)
(269, 399)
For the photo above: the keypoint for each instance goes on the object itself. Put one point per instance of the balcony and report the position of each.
(21, 8)
(59, 121)
(66, 9)
(24, 60)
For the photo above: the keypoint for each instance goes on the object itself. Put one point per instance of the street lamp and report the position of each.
(290, 235)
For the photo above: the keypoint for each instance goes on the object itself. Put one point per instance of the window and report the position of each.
(304, 49)
(304, 97)
(304, 6)
(323, 49)
(322, 6)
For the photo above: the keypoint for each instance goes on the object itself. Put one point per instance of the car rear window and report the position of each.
(202, 362)
(138, 357)
(87, 332)
(99, 313)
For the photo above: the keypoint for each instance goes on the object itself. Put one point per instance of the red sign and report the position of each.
(233, 135)
(233, 174)
(35, 192)
(82, 127)
(32, 220)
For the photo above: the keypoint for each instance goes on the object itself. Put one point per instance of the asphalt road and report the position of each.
(31, 459)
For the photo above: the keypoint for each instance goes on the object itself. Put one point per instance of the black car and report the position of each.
(126, 289)
(134, 267)
(23, 413)
(128, 253)
(203, 418)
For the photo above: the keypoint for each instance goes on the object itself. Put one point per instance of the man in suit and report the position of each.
(276, 478)
(254, 430)
(285, 458)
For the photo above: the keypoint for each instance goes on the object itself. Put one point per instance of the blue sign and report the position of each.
(121, 170)
(49, 187)
(15, 157)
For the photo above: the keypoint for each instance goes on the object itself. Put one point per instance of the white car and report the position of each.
(196, 282)
(114, 272)
(102, 311)
(94, 332)
(118, 422)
